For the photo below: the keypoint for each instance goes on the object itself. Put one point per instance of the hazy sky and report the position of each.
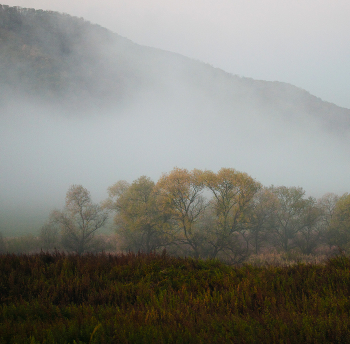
(302, 42)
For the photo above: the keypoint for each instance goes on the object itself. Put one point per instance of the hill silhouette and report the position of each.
(65, 61)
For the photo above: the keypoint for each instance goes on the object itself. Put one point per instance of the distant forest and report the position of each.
(226, 215)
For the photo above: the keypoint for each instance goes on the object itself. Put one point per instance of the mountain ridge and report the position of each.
(61, 59)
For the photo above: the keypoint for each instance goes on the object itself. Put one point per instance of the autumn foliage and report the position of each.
(226, 215)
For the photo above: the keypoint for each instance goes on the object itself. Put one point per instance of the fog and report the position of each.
(172, 120)
(43, 153)
(305, 43)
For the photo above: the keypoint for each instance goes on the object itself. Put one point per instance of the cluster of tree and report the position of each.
(226, 215)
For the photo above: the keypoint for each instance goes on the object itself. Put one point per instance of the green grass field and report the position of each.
(155, 298)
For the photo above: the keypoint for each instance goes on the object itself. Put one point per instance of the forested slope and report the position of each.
(69, 62)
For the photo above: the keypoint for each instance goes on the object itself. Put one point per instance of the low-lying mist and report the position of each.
(43, 151)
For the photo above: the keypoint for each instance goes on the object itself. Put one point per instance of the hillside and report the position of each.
(82, 105)
(67, 61)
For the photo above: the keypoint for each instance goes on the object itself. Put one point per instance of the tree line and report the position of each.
(226, 215)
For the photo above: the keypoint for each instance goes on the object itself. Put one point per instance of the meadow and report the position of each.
(155, 298)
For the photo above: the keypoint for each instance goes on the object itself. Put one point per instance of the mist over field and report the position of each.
(42, 154)
(167, 111)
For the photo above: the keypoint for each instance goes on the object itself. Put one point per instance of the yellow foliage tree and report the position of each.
(141, 223)
(182, 192)
(232, 193)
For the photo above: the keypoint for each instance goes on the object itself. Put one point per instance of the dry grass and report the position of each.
(272, 257)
